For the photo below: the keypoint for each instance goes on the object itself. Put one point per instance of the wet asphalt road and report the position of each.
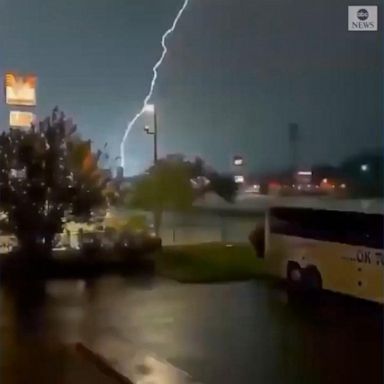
(221, 333)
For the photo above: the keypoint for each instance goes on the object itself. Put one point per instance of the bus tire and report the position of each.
(312, 279)
(294, 275)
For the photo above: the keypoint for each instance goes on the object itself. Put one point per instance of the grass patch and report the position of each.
(209, 263)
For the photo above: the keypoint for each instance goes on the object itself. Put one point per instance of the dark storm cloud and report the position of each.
(238, 71)
(254, 66)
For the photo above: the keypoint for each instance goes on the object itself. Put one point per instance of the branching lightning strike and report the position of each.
(153, 82)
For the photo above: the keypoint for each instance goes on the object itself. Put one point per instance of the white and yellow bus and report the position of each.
(339, 251)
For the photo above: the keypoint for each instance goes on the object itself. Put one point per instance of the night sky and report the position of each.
(237, 72)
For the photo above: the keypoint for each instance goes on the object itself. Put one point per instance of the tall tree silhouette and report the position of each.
(45, 173)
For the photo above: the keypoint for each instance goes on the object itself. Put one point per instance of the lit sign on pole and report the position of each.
(239, 179)
(21, 119)
(20, 90)
(238, 161)
(303, 177)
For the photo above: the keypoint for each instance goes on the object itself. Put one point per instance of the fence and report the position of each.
(206, 228)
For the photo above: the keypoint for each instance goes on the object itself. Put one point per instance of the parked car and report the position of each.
(123, 242)
(90, 242)
(131, 241)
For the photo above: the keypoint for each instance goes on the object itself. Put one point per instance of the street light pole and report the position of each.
(150, 108)
(154, 137)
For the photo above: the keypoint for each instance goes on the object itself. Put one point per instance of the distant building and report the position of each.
(176, 157)
(303, 177)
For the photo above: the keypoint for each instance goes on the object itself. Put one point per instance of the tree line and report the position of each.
(48, 173)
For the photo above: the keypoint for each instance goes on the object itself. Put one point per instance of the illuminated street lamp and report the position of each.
(364, 167)
(150, 109)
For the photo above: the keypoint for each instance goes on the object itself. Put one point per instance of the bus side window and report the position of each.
(373, 231)
(285, 222)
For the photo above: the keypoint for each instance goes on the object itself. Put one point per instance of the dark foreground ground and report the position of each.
(220, 333)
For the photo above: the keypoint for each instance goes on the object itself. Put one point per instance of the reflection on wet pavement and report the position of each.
(139, 366)
(219, 333)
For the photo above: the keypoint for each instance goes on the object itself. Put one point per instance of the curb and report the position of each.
(101, 363)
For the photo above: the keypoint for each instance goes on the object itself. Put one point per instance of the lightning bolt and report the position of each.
(153, 82)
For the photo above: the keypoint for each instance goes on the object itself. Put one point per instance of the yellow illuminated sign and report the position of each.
(21, 119)
(20, 90)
